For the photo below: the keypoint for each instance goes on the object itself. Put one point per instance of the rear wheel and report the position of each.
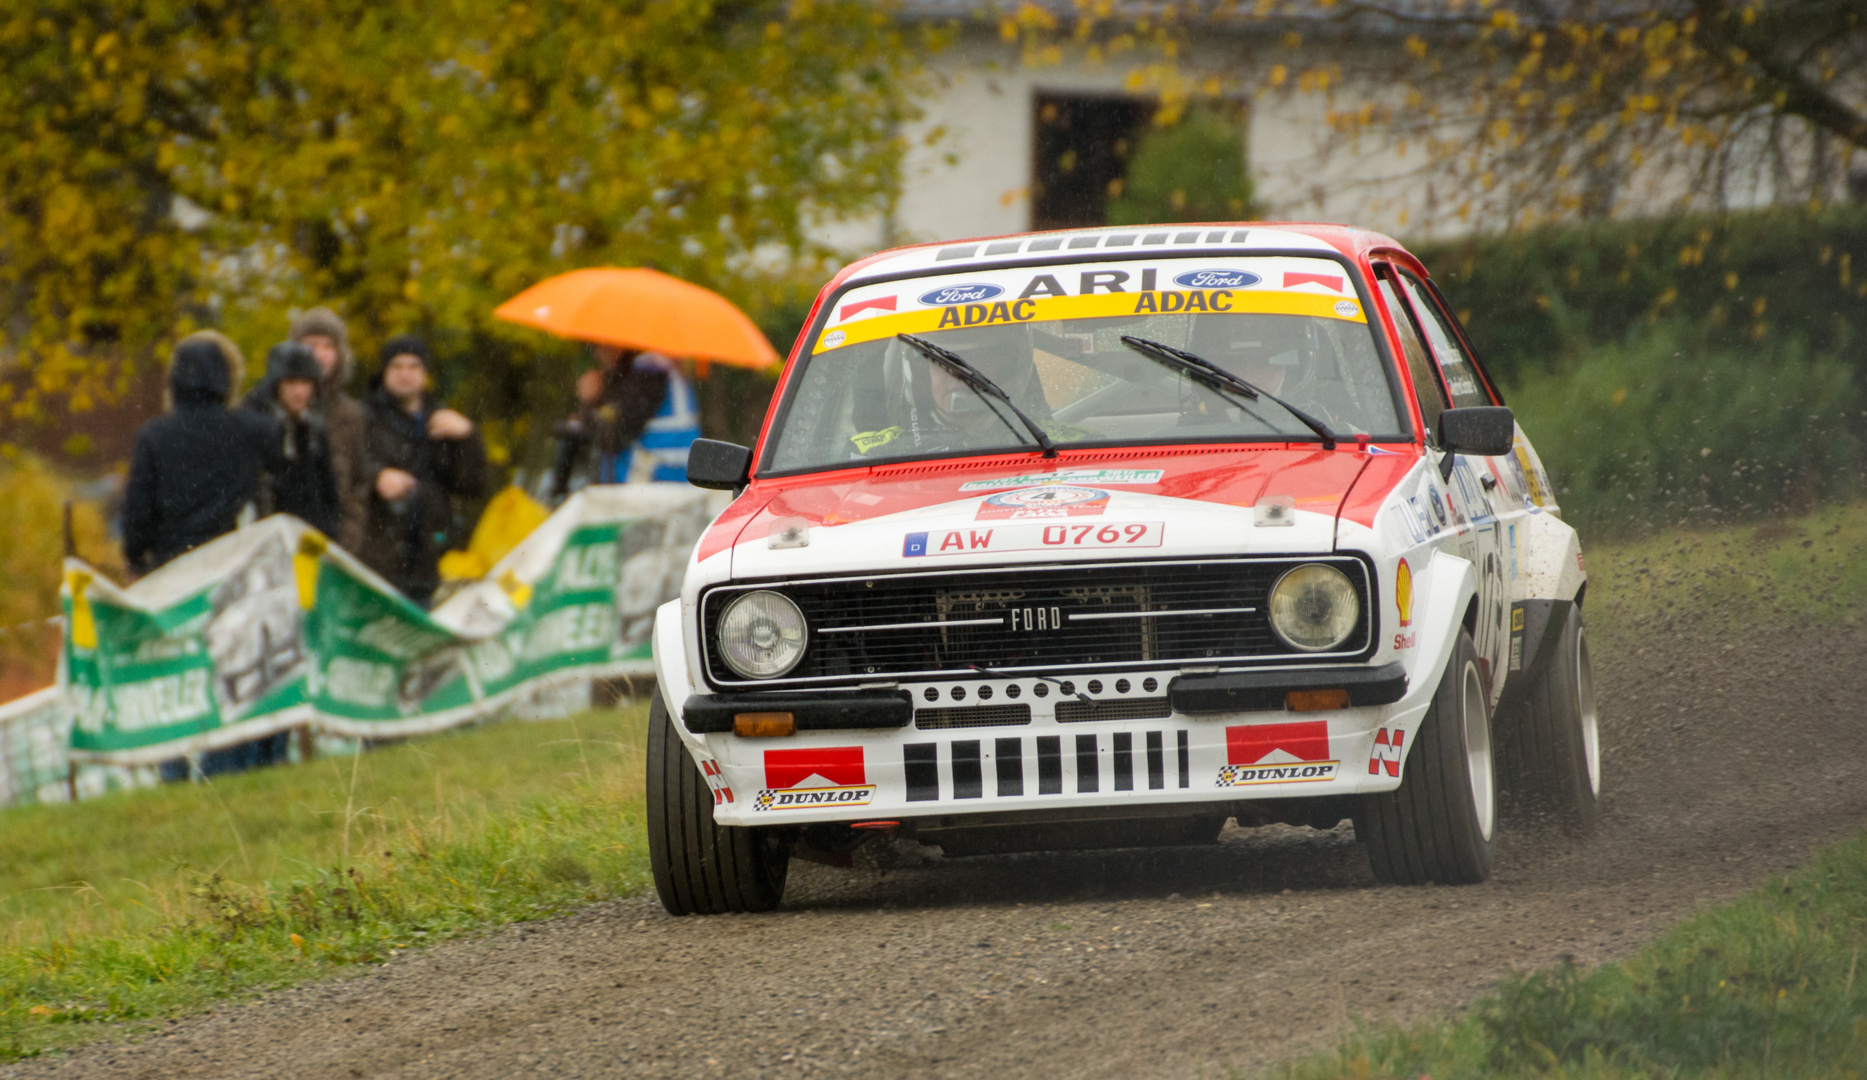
(1553, 762)
(1440, 824)
(702, 868)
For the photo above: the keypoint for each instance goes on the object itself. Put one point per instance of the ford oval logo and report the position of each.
(961, 294)
(1218, 279)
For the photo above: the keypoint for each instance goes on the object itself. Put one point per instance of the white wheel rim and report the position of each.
(1478, 749)
(1585, 700)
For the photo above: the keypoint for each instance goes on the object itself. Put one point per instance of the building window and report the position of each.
(1082, 148)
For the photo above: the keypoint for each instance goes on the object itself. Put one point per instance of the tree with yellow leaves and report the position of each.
(167, 165)
(1534, 110)
(1585, 107)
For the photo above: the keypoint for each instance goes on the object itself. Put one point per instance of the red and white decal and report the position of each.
(1059, 537)
(1044, 502)
(1277, 754)
(880, 303)
(1328, 281)
(1387, 752)
(716, 780)
(814, 777)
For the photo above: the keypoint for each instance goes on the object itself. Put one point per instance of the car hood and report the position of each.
(1026, 509)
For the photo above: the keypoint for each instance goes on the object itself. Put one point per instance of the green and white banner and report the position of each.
(33, 764)
(272, 627)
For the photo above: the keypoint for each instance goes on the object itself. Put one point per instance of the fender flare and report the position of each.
(673, 679)
(1547, 595)
(1446, 588)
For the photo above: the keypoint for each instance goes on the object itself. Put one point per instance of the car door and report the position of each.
(1483, 508)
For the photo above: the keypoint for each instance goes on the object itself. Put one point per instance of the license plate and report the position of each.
(1034, 537)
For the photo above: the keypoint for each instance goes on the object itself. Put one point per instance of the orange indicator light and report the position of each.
(764, 725)
(1316, 700)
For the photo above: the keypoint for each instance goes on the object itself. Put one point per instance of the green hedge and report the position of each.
(1678, 426)
(1677, 368)
(1756, 279)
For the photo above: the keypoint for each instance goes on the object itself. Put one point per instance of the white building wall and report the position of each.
(974, 178)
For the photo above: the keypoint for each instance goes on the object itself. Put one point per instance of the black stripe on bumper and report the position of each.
(712, 714)
(1263, 691)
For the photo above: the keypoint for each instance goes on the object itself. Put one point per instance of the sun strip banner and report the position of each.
(1277, 286)
(273, 627)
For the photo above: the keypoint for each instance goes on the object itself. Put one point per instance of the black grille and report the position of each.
(1044, 618)
(973, 716)
(1145, 708)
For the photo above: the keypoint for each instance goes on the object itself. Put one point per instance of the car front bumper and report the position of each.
(1197, 739)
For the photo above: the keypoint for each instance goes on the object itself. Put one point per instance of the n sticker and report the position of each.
(1387, 752)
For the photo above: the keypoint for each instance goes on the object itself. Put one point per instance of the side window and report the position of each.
(1419, 365)
(1461, 379)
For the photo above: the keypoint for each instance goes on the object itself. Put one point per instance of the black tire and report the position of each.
(1439, 825)
(702, 868)
(1552, 761)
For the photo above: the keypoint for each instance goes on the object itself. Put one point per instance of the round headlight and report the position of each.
(762, 635)
(1314, 607)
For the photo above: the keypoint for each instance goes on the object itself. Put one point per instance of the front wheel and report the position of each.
(702, 868)
(1440, 824)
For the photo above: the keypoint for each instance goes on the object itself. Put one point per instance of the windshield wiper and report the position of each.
(1214, 377)
(984, 387)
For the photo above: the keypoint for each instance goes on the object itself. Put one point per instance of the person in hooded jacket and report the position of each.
(426, 456)
(302, 483)
(346, 422)
(194, 469)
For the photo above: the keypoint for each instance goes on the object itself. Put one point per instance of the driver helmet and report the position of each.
(1268, 351)
(1003, 353)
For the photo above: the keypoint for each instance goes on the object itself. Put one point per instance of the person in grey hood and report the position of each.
(194, 469)
(302, 482)
(346, 422)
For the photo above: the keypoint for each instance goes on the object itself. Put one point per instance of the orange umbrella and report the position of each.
(641, 309)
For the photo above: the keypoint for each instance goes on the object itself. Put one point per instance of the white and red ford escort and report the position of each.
(1104, 538)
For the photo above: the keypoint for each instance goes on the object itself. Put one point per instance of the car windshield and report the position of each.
(1051, 338)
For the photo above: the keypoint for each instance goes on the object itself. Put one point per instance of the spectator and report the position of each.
(426, 456)
(236, 360)
(303, 483)
(615, 403)
(671, 432)
(194, 469)
(345, 421)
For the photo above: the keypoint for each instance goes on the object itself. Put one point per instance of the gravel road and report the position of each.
(1721, 769)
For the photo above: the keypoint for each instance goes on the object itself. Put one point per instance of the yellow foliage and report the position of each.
(348, 141)
(31, 554)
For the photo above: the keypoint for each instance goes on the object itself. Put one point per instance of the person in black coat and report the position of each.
(194, 469)
(426, 456)
(303, 482)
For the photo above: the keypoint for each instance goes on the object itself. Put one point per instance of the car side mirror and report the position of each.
(722, 466)
(1485, 430)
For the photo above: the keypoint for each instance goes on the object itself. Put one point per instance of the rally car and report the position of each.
(1105, 538)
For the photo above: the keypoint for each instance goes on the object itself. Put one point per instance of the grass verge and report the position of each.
(1807, 568)
(153, 903)
(1768, 986)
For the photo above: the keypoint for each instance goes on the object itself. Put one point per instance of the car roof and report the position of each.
(1241, 237)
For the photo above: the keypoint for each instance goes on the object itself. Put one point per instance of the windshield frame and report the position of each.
(794, 372)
